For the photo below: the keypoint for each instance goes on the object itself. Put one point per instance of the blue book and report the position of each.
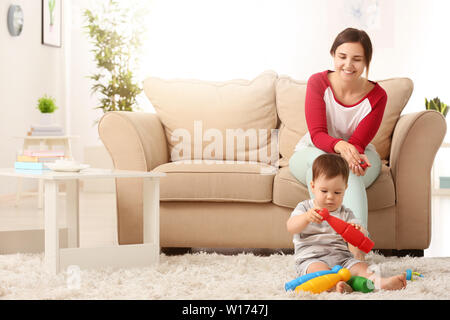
(30, 165)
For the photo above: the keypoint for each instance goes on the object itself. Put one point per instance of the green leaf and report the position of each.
(444, 110)
(433, 106)
(46, 104)
(116, 53)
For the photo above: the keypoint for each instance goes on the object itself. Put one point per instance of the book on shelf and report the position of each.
(40, 127)
(44, 153)
(22, 158)
(47, 133)
(30, 165)
(46, 130)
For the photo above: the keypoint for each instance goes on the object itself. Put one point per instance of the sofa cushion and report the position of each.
(290, 97)
(399, 91)
(219, 181)
(288, 191)
(197, 116)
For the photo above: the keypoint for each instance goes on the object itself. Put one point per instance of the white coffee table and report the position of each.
(57, 258)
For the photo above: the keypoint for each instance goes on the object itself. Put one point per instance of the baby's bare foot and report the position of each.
(394, 283)
(343, 287)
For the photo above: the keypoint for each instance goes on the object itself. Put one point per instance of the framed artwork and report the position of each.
(51, 22)
(376, 17)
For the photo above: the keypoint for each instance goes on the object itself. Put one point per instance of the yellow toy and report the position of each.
(326, 282)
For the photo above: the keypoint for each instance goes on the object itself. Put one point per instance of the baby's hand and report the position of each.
(357, 227)
(313, 216)
(360, 228)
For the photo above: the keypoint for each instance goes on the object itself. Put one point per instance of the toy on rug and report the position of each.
(291, 285)
(361, 284)
(410, 274)
(347, 231)
(326, 282)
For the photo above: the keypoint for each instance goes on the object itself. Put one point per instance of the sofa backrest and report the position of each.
(221, 120)
(217, 120)
(290, 102)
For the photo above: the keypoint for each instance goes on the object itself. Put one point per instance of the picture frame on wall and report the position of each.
(51, 22)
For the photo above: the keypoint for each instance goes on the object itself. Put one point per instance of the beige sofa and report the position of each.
(210, 198)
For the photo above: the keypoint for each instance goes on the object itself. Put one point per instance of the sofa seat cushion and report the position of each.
(288, 191)
(218, 181)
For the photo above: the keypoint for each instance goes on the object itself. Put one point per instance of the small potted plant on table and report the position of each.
(46, 106)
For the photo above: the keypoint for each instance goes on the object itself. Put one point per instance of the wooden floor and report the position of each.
(98, 220)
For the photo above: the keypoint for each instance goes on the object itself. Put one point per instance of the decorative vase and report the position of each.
(46, 119)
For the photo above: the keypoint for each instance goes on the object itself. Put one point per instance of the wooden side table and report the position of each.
(57, 258)
(44, 143)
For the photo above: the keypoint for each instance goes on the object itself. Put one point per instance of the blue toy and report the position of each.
(410, 274)
(291, 285)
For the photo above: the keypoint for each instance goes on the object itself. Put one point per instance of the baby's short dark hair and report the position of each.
(330, 165)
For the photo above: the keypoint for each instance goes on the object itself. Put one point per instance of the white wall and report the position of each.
(219, 40)
(226, 39)
(28, 70)
(82, 103)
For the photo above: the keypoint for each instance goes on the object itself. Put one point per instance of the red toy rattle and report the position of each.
(347, 231)
(363, 164)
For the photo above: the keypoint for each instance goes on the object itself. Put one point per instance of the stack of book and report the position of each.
(43, 130)
(36, 159)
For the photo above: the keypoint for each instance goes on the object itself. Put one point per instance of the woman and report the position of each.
(343, 113)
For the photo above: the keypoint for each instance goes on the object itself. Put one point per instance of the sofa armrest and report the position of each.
(135, 140)
(415, 142)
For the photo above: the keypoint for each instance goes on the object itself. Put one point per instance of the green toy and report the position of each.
(361, 284)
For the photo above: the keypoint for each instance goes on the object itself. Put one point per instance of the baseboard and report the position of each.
(401, 253)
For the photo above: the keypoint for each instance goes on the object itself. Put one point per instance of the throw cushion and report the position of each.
(230, 120)
(290, 97)
(399, 91)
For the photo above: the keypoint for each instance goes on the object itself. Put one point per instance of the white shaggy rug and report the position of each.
(205, 276)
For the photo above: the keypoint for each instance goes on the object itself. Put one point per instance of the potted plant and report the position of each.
(46, 106)
(436, 104)
(116, 33)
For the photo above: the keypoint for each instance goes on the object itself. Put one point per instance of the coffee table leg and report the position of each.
(40, 193)
(151, 214)
(72, 211)
(51, 226)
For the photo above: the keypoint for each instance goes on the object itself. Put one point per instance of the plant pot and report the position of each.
(46, 119)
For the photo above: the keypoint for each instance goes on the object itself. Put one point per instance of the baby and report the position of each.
(317, 245)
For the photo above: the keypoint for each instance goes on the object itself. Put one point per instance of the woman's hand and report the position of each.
(366, 160)
(352, 156)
